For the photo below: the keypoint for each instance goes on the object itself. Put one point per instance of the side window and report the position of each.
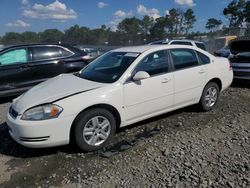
(46, 52)
(181, 43)
(14, 57)
(184, 58)
(203, 58)
(155, 63)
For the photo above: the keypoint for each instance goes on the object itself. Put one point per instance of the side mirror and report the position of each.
(141, 75)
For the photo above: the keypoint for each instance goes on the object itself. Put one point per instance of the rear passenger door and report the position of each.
(46, 62)
(189, 76)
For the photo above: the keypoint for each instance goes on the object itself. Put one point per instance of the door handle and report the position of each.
(201, 71)
(166, 80)
(24, 66)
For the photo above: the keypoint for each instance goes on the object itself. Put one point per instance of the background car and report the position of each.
(197, 44)
(24, 66)
(92, 53)
(224, 52)
(240, 58)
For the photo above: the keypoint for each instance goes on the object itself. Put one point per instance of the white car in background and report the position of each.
(194, 43)
(121, 87)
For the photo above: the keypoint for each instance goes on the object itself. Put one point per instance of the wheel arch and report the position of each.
(217, 81)
(108, 107)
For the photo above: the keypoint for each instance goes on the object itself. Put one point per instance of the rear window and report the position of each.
(201, 46)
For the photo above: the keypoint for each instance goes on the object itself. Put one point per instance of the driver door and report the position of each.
(153, 95)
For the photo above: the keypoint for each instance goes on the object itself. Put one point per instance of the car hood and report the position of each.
(57, 88)
(240, 46)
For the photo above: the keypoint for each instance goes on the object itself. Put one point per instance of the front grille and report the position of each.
(13, 113)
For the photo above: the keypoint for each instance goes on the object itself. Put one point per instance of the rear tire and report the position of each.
(210, 96)
(93, 129)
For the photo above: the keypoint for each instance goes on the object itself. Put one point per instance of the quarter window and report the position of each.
(43, 53)
(183, 58)
(155, 63)
(203, 58)
(14, 57)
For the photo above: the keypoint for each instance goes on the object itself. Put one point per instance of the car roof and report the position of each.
(37, 44)
(184, 40)
(144, 48)
(136, 49)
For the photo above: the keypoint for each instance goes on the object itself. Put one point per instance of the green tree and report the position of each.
(213, 24)
(157, 32)
(51, 36)
(131, 30)
(29, 37)
(77, 35)
(146, 25)
(235, 12)
(11, 38)
(190, 19)
(172, 22)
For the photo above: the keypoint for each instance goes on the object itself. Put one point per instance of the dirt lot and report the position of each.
(185, 148)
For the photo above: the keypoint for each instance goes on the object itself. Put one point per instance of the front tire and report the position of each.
(209, 97)
(94, 129)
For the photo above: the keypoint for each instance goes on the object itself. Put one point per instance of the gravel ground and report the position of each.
(185, 148)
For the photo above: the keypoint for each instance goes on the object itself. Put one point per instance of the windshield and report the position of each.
(109, 67)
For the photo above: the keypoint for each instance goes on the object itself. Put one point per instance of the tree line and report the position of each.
(132, 31)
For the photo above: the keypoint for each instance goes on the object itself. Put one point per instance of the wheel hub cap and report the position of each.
(96, 130)
(211, 97)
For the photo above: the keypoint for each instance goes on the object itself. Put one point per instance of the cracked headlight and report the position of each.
(42, 112)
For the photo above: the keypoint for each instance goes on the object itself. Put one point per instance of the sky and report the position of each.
(35, 15)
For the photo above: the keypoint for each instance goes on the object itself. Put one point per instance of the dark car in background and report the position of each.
(24, 66)
(240, 58)
(223, 52)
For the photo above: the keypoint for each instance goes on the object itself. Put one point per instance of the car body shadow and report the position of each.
(241, 84)
(10, 148)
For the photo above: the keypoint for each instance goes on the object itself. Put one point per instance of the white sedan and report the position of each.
(121, 87)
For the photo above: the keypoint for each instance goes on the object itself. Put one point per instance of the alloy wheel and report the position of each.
(96, 130)
(211, 97)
